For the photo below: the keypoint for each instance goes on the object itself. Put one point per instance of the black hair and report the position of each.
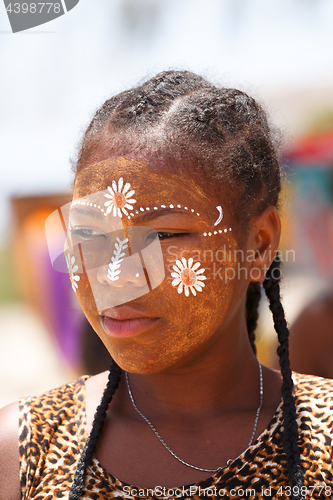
(253, 297)
(225, 134)
(290, 433)
(80, 472)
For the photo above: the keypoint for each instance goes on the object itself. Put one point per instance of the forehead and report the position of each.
(148, 180)
(142, 187)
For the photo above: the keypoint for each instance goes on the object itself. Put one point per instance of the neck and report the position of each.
(223, 378)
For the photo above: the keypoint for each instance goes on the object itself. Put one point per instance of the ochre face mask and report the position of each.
(138, 240)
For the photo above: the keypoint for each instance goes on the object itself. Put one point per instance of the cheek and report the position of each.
(193, 301)
(202, 282)
(206, 267)
(87, 302)
(192, 310)
(80, 284)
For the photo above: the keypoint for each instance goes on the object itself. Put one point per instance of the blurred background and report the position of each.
(53, 79)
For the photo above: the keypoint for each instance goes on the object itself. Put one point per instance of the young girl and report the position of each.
(172, 230)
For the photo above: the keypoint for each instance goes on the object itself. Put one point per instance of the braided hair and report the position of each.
(80, 472)
(290, 434)
(253, 297)
(224, 134)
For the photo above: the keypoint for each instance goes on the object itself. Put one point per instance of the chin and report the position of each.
(142, 363)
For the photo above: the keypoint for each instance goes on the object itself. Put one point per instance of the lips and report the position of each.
(126, 321)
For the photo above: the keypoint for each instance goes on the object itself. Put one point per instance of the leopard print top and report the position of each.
(53, 434)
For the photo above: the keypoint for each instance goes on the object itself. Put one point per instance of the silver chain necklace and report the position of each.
(261, 397)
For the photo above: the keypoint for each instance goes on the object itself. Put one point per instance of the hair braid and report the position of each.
(252, 304)
(81, 468)
(290, 433)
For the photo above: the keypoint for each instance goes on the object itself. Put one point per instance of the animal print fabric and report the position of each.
(53, 434)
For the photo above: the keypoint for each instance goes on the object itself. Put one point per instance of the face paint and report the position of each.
(132, 264)
(219, 208)
(117, 259)
(188, 278)
(120, 198)
(72, 268)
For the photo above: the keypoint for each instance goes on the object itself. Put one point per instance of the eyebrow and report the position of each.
(140, 217)
(86, 211)
(154, 214)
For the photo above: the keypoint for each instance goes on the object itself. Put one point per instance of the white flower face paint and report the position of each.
(120, 198)
(116, 260)
(187, 277)
(72, 268)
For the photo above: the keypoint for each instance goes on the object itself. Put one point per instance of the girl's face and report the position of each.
(154, 302)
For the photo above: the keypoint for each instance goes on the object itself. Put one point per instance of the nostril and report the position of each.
(102, 274)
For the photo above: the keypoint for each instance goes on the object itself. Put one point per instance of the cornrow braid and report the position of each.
(252, 304)
(81, 468)
(290, 433)
(138, 108)
(227, 131)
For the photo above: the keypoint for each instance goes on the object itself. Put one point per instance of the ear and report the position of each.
(264, 239)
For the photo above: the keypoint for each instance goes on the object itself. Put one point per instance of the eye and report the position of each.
(86, 234)
(165, 236)
(162, 235)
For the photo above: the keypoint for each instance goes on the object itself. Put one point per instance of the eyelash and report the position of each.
(91, 233)
(167, 236)
(86, 233)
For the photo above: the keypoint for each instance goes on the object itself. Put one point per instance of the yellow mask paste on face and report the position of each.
(119, 205)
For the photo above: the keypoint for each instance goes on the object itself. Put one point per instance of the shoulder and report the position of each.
(9, 453)
(58, 401)
(94, 388)
(50, 430)
(40, 417)
(314, 408)
(311, 387)
(314, 405)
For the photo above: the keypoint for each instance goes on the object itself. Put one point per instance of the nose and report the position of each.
(123, 272)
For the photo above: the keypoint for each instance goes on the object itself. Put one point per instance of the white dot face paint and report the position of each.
(218, 221)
